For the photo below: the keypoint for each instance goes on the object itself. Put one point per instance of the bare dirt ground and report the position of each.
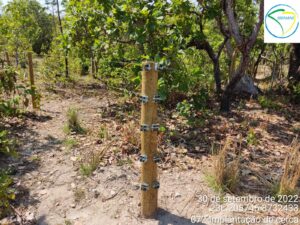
(52, 189)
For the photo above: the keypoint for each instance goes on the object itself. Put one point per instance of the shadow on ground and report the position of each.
(28, 144)
(167, 218)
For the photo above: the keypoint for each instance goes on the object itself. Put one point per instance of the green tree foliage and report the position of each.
(201, 45)
(26, 25)
(119, 33)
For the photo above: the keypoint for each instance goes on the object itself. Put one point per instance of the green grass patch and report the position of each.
(70, 143)
(267, 103)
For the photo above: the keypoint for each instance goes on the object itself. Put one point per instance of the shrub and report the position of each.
(6, 193)
(296, 93)
(10, 107)
(185, 108)
(251, 137)
(201, 98)
(267, 103)
(6, 144)
(8, 78)
(12, 96)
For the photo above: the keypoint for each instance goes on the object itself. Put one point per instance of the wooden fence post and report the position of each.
(149, 128)
(31, 77)
(7, 58)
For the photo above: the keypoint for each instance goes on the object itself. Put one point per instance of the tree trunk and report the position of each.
(228, 93)
(294, 69)
(255, 69)
(62, 33)
(244, 45)
(53, 19)
(217, 75)
(93, 66)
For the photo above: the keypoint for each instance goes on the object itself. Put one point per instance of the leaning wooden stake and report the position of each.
(31, 77)
(149, 128)
(7, 58)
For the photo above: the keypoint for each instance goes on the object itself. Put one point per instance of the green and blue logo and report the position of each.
(282, 21)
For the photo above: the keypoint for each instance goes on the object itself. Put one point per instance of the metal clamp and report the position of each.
(144, 187)
(144, 127)
(155, 127)
(147, 67)
(143, 158)
(155, 185)
(144, 99)
(157, 99)
(156, 159)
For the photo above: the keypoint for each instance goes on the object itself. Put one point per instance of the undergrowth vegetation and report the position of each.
(70, 143)
(7, 193)
(91, 160)
(267, 103)
(7, 145)
(14, 100)
(73, 124)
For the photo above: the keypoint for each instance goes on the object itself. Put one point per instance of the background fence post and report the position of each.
(31, 77)
(149, 185)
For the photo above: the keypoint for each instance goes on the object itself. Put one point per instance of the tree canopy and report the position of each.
(26, 25)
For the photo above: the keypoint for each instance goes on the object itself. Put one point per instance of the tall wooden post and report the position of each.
(149, 128)
(7, 58)
(31, 77)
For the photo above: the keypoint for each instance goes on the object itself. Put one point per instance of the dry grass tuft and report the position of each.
(291, 175)
(91, 160)
(73, 123)
(225, 175)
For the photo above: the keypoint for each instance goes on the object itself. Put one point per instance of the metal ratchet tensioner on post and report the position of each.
(145, 127)
(157, 99)
(155, 127)
(144, 187)
(147, 67)
(145, 99)
(143, 158)
(155, 185)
